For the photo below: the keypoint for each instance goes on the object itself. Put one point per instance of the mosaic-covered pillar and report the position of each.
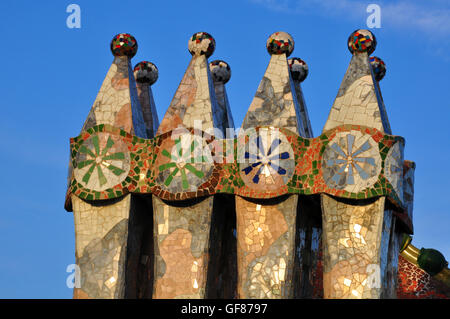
(139, 270)
(222, 274)
(221, 74)
(146, 74)
(357, 232)
(299, 72)
(101, 228)
(266, 229)
(309, 223)
(182, 228)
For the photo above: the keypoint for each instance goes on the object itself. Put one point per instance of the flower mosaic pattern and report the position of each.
(393, 168)
(266, 162)
(351, 161)
(268, 159)
(184, 168)
(103, 161)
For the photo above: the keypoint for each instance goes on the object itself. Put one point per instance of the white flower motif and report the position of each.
(351, 161)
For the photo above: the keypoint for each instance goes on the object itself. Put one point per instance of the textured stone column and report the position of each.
(139, 271)
(146, 74)
(182, 228)
(358, 234)
(221, 73)
(355, 248)
(267, 231)
(222, 273)
(299, 72)
(308, 270)
(101, 229)
(101, 242)
(309, 219)
(266, 245)
(181, 248)
(390, 277)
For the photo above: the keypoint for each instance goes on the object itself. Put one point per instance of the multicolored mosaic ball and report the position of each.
(279, 43)
(378, 67)
(299, 69)
(220, 71)
(201, 43)
(124, 44)
(362, 41)
(146, 72)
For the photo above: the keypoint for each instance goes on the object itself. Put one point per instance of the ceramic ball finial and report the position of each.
(220, 71)
(279, 43)
(201, 43)
(378, 67)
(298, 68)
(145, 72)
(362, 41)
(124, 44)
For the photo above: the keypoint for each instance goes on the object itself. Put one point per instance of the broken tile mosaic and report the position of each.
(183, 209)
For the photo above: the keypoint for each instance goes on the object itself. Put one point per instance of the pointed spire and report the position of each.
(379, 71)
(195, 98)
(221, 74)
(117, 102)
(299, 72)
(275, 101)
(146, 74)
(359, 99)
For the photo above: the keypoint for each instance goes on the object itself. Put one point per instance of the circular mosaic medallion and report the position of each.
(183, 163)
(102, 162)
(393, 168)
(266, 159)
(351, 161)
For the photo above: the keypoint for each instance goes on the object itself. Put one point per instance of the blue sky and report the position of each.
(51, 75)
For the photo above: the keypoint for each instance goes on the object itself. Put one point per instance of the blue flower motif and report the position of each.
(263, 160)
